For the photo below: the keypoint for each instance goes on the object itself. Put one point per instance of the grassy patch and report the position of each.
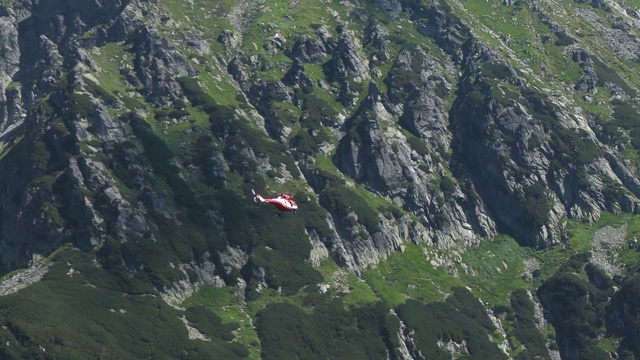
(226, 302)
(291, 21)
(498, 265)
(410, 275)
(358, 292)
(200, 15)
(581, 234)
(110, 59)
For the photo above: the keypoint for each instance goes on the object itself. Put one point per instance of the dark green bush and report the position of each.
(194, 92)
(625, 114)
(314, 215)
(564, 39)
(341, 201)
(81, 104)
(598, 277)
(317, 111)
(608, 75)
(99, 92)
(121, 157)
(331, 331)
(401, 83)
(495, 70)
(447, 186)
(201, 155)
(580, 145)
(283, 272)
(577, 309)
(469, 306)
(153, 257)
(635, 138)
(535, 204)
(576, 263)
(209, 323)
(418, 145)
(439, 321)
(524, 327)
(304, 143)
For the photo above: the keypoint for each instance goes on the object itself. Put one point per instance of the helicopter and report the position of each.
(282, 202)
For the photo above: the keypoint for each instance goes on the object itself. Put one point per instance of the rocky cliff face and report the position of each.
(136, 130)
(446, 129)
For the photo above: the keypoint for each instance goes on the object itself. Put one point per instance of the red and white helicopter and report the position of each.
(282, 202)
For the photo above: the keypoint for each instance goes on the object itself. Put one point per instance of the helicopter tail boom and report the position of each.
(258, 198)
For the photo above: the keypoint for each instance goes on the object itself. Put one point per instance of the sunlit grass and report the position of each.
(358, 291)
(498, 267)
(227, 303)
(410, 275)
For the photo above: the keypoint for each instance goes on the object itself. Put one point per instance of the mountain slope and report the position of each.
(416, 136)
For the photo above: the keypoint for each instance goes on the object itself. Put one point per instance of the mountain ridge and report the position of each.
(411, 133)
